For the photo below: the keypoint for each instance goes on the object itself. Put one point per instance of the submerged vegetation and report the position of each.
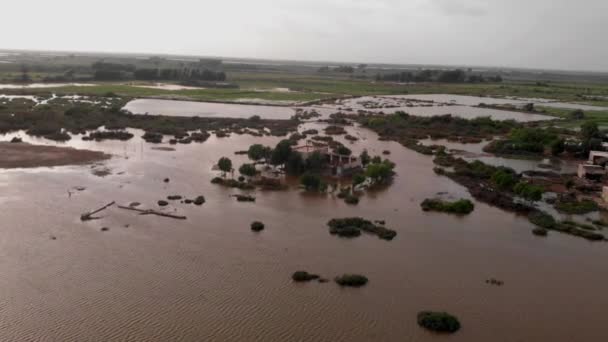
(351, 280)
(460, 207)
(353, 226)
(441, 322)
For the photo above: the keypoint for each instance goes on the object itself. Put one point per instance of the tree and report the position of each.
(281, 153)
(225, 165)
(258, 152)
(295, 164)
(315, 162)
(589, 130)
(248, 170)
(343, 150)
(311, 182)
(379, 171)
(504, 180)
(365, 158)
(590, 137)
(558, 147)
(529, 192)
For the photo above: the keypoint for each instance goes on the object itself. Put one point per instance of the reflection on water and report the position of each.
(208, 278)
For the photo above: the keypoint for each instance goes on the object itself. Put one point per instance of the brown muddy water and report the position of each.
(209, 278)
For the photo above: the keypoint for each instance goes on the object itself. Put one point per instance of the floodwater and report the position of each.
(209, 278)
(433, 105)
(164, 86)
(476, 100)
(43, 85)
(207, 109)
(475, 152)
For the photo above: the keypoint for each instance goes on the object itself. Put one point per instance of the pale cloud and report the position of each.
(520, 33)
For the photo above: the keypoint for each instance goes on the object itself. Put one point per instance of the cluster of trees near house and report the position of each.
(103, 71)
(537, 141)
(309, 170)
(443, 76)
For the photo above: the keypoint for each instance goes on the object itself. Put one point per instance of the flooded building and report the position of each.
(339, 165)
(595, 167)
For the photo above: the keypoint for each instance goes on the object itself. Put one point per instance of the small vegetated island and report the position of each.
(319, 164)
(460, 207)
(353, 226)
(440, 322)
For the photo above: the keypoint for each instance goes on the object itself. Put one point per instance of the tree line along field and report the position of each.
(305, 81)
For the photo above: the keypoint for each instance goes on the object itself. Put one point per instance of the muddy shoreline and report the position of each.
(23, 155)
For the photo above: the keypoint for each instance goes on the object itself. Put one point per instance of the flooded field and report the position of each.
(387, 105)
(433, 105)
(209, 278)
(207, 109)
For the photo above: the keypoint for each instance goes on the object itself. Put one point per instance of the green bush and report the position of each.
(352, 227)
(248, 170)
(577, 207)
(303, 276)
(257, 226)
(351, 280)
(438, 321)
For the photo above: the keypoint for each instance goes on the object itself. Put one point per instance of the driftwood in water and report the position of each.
(153, 212)
(89, 216)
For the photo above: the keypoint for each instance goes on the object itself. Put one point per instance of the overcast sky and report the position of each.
(559, 34)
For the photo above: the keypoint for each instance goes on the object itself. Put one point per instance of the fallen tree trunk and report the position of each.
(89, 216)
(153, 212)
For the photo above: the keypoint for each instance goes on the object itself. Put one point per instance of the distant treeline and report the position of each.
(113, 72)
(444, 76)
(343, 69)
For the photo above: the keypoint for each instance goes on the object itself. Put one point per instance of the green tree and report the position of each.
(589, 130)
(225, 165)
(248, 170)
(258, 152)
(311, 182)
(295, 164)
(281, 153)
(365, 158)
(529, 192)
(315, 162)
(558, 147)
(504, 180)
(379, 172)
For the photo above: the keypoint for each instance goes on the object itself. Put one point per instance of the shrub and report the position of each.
(311, 182)
(577, 207)
(200, 200)
(248, 170)
(303, 276)
(351, 280)
(529, 192)
(225, 164)
(539, 231)
(352, 227)
(351, 199)
(542, 220)
(438, 321)
(257, 226)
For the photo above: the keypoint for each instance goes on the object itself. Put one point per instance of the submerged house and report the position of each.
(595, 167)
(338, 165)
